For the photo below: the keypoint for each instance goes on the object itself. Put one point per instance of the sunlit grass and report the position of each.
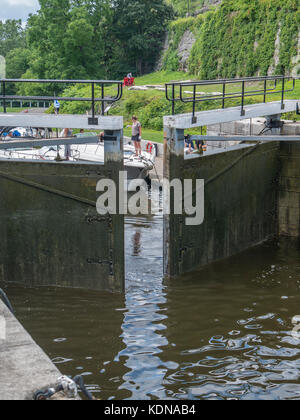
(12, 109)
(162, 77)
(149, 135)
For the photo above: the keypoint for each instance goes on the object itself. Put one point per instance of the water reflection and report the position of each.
(240, 326)
(224, 332)
(143, 325)
(136, 244)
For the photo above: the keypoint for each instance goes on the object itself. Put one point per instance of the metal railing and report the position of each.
(271, 85)
(21, 104)
(103, 84)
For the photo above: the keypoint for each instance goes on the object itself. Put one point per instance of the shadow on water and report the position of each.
(223, 332)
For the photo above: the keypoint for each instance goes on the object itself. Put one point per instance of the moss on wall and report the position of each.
(239, 39)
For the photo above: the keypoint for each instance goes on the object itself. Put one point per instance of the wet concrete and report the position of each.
(24, 366)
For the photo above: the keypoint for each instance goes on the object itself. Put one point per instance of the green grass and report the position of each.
(157, 136)
(162, 77)
(149, 135)
(12, 109)
(165, 77)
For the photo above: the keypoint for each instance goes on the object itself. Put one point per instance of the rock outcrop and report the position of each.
(184, 49)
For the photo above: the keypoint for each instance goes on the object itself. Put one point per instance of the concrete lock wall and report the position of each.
(50, 239)
(289, 190)
(289, 185)
(240, 203)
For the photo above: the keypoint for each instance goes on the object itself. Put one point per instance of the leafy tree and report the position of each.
(139, 28)
(184, 7)
(12, 35)
(17, 63)
(65, 37)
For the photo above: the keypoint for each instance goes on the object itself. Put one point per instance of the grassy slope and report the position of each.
(162, 77)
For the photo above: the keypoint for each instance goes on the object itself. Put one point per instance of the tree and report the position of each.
(183, 7)
(90, 39)
(17, 63)
(139, 26)
(65, 39)
(12, 35)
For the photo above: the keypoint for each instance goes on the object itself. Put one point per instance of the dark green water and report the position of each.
(220, 333)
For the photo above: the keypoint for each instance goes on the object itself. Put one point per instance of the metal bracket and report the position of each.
(274, 124)
(109, 138)
(93, 121)
(96, 261)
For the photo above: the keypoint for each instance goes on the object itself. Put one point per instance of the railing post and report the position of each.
(93, 100)
(93, 120)
(4, 94)
(282, 93)
(243, 99)
(224, 93)
(194, 119)
(102, 103)
(265, 91)
(173, 99)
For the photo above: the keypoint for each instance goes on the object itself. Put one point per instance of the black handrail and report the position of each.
(4, 98)
(175, 91)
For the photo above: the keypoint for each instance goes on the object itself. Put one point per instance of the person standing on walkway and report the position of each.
(67, 133)
(56, 106)
(137, 135)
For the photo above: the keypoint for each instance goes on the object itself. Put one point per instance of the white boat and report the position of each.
(137, 167)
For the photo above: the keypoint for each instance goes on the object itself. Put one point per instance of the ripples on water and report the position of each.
(220, 333)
